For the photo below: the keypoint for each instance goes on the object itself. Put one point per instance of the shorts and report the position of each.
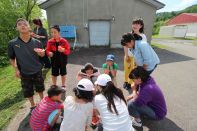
(56, 71)
(30, 83)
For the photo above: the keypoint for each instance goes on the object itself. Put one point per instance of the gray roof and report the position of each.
(158, 5)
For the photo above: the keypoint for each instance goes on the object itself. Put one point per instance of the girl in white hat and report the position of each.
(111, 106)
(78, 110)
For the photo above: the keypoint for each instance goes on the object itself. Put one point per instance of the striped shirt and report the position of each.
(39, 116)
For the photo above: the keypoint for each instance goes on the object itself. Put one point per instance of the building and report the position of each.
(183, 25)
(101, 22)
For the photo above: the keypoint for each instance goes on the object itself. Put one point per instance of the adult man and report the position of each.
(24, 53)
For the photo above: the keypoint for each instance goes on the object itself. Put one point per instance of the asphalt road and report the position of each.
(176, 76)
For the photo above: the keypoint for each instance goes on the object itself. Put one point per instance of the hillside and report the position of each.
(161, 18)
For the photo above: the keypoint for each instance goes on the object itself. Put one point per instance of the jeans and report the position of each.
(137, 111)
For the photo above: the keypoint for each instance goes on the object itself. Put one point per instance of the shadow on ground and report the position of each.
(162, 125)
(24, 125)
(97, 56)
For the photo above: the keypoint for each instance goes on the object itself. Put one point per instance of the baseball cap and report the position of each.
(85, 85)
(110, 57)
(103, 79)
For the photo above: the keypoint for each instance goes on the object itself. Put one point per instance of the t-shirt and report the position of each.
(143, 39)
(113, 67)
(76, 115)
(143, 53)
(28, 60)
(111, 121)
(39, 116)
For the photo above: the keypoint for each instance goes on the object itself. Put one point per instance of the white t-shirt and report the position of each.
(111, 121)
(143, 39)
(76, 115)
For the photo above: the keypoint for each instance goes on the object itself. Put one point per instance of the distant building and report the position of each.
(101, 22)
(183, 25)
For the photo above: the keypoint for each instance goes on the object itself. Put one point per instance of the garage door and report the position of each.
(99, 33)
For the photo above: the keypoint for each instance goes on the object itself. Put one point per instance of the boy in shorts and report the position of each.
(24, 53)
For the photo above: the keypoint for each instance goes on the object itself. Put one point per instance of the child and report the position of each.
(39, 116)
(78, 109)
(110, 68)
(111, 105)
(24, 53)
(58, 49)
(143, 53)
(137, 28)
(89, 72)
(149, 101)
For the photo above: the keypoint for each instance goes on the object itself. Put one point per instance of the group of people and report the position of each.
(97, 101)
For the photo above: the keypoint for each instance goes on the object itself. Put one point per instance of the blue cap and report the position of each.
(110, 57)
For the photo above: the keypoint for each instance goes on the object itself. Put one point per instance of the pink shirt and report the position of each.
(39, 116)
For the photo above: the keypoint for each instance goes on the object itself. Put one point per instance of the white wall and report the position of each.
(167, 31)
(192, 30)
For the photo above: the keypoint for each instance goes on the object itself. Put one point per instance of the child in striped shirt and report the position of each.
(40, 115)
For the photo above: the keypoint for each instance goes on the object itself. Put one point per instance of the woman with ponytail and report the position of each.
(111, 106)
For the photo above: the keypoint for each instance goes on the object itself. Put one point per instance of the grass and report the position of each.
(11, 98)
(172, 38)
(159, 46)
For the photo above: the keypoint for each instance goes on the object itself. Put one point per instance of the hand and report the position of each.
(17, 73)
(60, 49)
(39, 51)
(132, 97)
(145, 66)
(33, 34)
(50, 54)
(133, 86)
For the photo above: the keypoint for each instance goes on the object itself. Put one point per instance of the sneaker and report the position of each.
(125, 85)
(93, 126)
(136, 123)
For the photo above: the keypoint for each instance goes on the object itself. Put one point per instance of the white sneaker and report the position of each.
(135, 123)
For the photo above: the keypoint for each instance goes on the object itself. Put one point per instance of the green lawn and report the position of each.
(159, 46)
(172, 38)
(11, 98)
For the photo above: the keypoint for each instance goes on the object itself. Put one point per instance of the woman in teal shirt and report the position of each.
(142, 51)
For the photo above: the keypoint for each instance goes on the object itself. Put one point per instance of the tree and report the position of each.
(10, 11)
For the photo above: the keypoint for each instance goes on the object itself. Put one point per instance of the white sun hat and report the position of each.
(85, 85)
(103, 79)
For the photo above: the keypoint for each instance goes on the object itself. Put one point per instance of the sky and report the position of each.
(176, 5)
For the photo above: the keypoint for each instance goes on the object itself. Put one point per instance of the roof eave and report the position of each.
(158, 5)
(48, 3)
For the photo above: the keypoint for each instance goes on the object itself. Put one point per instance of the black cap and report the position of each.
(55, 90)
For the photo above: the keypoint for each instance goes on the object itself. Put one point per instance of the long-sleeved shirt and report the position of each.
(144, 54)
(59, 58)
(151, 95)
